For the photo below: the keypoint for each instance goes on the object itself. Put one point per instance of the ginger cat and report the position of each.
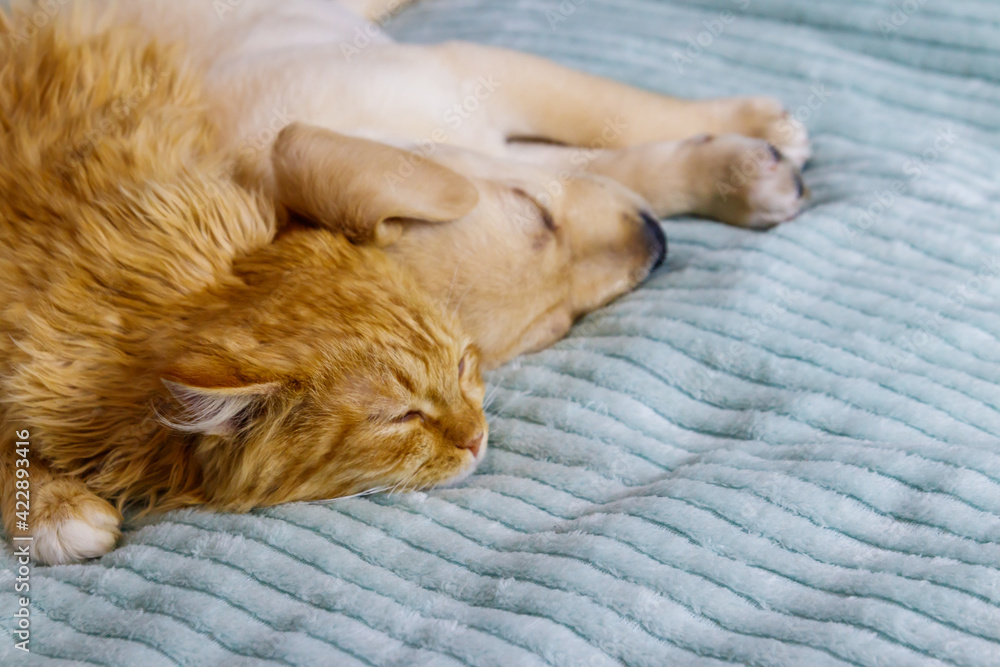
(160, 345)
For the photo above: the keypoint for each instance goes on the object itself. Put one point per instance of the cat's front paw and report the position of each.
(71, 524)
(746, 182)
(766, 118)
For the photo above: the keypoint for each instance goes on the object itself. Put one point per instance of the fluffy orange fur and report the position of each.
(161, 344)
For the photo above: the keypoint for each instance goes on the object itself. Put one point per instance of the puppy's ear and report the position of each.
(212, 397)
(364, 188)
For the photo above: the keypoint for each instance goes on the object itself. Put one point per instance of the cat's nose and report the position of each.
(474, 444)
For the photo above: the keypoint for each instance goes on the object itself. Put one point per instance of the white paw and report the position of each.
(791, 138)
(748, 182)
(88, 530)
(766, 118)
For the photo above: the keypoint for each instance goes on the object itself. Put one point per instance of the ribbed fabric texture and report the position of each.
(783, 450)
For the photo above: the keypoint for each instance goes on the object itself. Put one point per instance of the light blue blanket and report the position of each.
(783, 450)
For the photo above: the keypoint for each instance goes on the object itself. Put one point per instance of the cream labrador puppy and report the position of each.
(521, 193)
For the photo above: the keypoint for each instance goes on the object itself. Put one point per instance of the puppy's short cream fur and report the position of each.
(370, 139)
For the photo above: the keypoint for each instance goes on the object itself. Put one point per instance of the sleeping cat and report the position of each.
(161, 346)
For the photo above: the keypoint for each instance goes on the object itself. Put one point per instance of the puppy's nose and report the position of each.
(474, 444)
(655, 239)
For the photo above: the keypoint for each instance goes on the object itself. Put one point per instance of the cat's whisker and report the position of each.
(328, 501)
(490, 396)
(371, 492)
(406, 480)
(402, 487)
(360, 494)
(417, 487)
(396, 486)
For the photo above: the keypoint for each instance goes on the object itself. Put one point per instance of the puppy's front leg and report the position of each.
(541, 99)
(735, 179)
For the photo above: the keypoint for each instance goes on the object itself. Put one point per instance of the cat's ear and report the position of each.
(363, 188)
(212, 400)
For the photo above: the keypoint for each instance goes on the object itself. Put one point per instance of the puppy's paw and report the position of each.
(71, 524)
(766, 118)
(745, 182)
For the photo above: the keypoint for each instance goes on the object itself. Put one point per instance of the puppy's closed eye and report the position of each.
(535, 207)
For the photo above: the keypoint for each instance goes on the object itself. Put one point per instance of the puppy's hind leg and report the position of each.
(66, 521)
(543, 100)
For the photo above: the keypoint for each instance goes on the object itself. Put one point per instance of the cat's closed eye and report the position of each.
(411, 416)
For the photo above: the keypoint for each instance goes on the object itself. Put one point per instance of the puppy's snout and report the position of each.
(656, 240)
(474, 444)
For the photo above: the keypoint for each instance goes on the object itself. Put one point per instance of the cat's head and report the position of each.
(324, 372)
